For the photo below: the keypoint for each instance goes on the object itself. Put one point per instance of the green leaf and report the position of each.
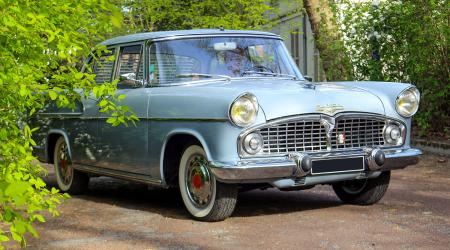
(79, 75)
(53, 95)
(3, 237)
(31, 229)
(17, 188)
(103, 103)
(16, 236)
(23, 91)
(111, 120)
(117, 19)
(39, 217)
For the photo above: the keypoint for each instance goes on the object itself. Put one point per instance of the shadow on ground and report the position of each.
(168, 203)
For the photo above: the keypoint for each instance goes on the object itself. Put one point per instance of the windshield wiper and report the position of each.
(265, 73)
(202, 75)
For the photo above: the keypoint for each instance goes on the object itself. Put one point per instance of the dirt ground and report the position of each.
(414, 214)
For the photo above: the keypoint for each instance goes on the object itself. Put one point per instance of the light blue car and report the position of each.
(222, 111)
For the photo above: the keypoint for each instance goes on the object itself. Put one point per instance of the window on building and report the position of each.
(305, 45)
(295, 50)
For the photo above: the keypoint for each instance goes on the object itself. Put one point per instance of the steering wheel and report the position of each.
(260, 68)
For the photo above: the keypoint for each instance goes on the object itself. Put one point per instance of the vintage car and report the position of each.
(222, 111)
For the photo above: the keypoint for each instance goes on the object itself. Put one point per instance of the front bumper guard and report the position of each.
(267, 169)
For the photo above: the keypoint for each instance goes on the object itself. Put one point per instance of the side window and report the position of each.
(103, 67)
(130, 65)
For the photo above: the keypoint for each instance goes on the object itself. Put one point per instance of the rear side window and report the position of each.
(130, 61)
(103, 67)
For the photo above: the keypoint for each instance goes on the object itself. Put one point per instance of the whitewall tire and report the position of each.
(205, 198)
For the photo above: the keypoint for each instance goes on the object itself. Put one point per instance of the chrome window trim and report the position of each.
(207, 81)
(178, 37)
(315, 117)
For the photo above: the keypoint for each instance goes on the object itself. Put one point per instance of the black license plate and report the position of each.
(328, 166)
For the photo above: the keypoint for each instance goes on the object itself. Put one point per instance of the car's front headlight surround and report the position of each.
(407, 102)
(244, 110)
(394, 133)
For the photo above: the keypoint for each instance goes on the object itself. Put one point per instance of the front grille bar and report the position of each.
(318, 134)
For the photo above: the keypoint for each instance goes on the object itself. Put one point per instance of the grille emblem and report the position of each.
(329, 109)
(341, 138)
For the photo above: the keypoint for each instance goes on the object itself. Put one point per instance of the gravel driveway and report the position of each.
(415, 213)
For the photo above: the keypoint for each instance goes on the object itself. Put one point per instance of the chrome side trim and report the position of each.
(186, 119)
(159, 119)
(47, 114)
(119, 174)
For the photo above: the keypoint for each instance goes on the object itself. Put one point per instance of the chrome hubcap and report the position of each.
(64, 169)
(198, 181)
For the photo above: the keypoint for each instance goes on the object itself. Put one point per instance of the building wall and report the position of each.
(293, 25)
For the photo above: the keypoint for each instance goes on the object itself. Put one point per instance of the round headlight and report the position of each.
(407, 102)
(244, 110)
(253, 143)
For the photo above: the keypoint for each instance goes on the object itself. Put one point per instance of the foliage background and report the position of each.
(401, 41)
(42, 43)
(159, 15)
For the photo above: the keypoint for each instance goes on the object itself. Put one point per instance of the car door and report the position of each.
(126, 145)
(83, 129)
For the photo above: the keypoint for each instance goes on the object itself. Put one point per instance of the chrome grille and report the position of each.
(294, 136)
(309, 135)
(358, 132)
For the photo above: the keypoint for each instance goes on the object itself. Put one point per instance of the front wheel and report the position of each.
(205, 198)
(365, 191)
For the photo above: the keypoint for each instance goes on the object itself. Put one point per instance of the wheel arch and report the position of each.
(171, 151)
(52, 137)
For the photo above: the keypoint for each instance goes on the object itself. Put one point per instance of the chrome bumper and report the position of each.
(267, 169)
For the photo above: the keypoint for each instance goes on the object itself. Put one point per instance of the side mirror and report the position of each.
(308, 78)
(129, 80)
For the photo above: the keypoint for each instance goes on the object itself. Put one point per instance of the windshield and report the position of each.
(202, 58)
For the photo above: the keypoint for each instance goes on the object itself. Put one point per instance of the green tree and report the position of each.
(41, 45)
(401, 41)
(158, 15)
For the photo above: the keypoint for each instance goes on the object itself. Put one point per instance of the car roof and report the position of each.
(179, 33)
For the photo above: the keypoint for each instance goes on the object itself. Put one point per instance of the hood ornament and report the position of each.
(329, 109)
(328, 123)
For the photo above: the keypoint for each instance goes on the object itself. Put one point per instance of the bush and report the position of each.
(41, 44)
(401, 41)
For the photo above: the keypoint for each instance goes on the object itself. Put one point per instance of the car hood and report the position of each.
(286, 97)
(276, 97)
(292, 98)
